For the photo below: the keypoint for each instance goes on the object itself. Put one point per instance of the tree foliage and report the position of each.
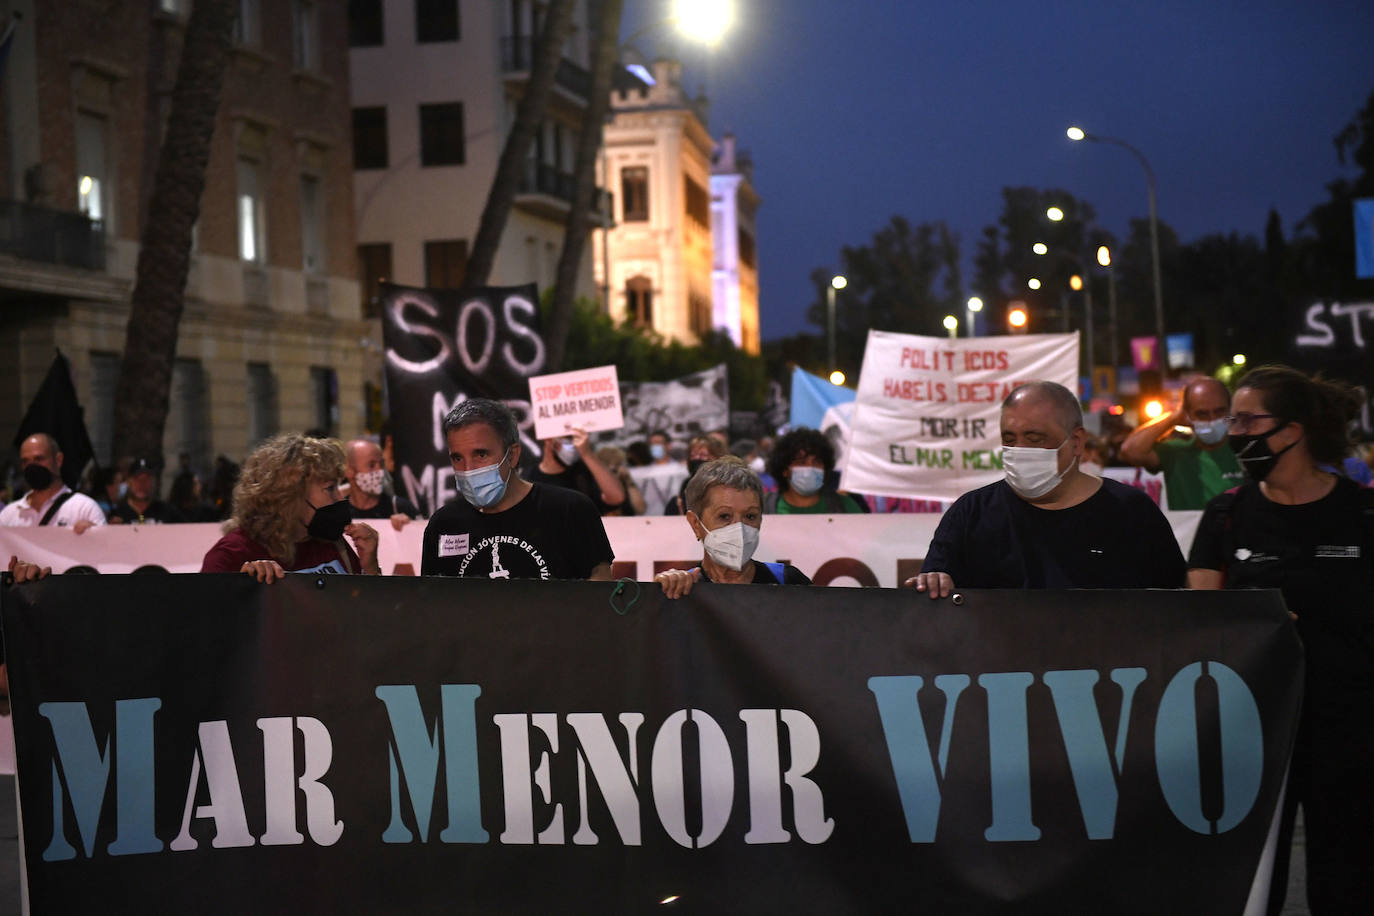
(596, 339)
(905, 279)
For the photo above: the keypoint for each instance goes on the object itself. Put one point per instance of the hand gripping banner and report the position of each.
(418, 745)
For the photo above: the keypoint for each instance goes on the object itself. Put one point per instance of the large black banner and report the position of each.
(442, 347)
(421, 745)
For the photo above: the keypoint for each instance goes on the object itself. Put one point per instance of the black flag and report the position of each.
(55, 411)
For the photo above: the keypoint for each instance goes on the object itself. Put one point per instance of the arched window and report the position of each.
(639, 302)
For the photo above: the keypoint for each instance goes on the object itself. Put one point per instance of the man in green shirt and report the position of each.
(1198, 467)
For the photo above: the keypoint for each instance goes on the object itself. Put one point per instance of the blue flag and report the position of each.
(812, 396)
(1364, 238)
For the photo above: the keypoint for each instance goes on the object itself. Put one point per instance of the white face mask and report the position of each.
(371, 482)
(1210, 432)
(1032, 472)
(732, 546)
(807, 480)
(567, 453)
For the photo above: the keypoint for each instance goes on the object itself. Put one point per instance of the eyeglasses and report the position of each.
(1241, 421)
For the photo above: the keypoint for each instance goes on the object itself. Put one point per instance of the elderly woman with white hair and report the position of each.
(724, 506)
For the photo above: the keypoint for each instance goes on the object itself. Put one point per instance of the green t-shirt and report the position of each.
(829, 504)
(1193, 475)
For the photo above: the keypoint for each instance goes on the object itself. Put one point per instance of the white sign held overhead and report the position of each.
(926, 420)
(586, 399)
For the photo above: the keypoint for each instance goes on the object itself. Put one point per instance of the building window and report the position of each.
(446, 263)
(305, 33)
(441, 134)
(639, 302)
(699, 314)
(100, 405)
(248, 24)
(698, 203)
(634, 193)
(374, 268)
(312, 225)
(92, 183)
(436, 20)
(369, 138)
(365, 24)
(251, 212)
(746, 248)
(324, 400)
(262, 402)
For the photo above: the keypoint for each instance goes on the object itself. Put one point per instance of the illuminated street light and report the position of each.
(1075, 283)
(1238, 359)
(951, 324)
(975, 304)
(1040, 248)
(1104, 256)
(1054, 214)
(1033, 282)
(837, 378)
(1077, 133)
(1017, 318)
(837, 282)
(704, 20)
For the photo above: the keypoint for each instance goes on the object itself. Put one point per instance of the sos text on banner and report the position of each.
(209, 744)
(926, 418)
(442, 347)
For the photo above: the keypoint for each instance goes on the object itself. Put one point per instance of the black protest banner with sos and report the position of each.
(443, 347)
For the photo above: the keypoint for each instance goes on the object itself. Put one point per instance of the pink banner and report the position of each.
(1144, 353)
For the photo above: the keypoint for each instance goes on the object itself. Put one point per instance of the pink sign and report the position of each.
(1144, 353)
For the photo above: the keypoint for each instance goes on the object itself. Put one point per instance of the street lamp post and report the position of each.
(1078, 133)
(837, 282)
(975, 305)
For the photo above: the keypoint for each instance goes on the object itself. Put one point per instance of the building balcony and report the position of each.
(517, 59)
(51, 236)
(546, 191)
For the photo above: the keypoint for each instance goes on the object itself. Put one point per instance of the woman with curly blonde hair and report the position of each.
(289, 516)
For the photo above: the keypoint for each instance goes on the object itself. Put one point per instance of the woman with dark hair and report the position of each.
(289, 515)
(1300, 528)
(700, 450)
(802, 463)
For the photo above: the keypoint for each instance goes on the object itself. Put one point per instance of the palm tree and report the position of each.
(584, 178)
(164, 259)
(548, 51)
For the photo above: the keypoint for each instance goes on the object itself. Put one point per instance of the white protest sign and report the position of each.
(586, 399)
(926, 418)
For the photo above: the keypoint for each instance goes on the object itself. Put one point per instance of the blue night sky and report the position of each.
(856, 110)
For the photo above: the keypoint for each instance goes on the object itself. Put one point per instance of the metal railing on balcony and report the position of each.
(51, 236)
(517, 56)
(543, 178)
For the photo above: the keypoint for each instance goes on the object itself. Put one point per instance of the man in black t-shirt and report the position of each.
(568, 461)
(503, 526)
(1048, 524)
(140, 506)
(367, 496)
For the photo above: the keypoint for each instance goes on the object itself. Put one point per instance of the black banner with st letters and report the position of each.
(442, 347)
(423, 745)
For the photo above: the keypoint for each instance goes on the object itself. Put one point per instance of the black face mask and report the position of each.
(38, 477)
(328, 522)
(1255, 455)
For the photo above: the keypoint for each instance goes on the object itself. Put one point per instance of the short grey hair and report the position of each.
(49, 442)
(721, 472)
(484, 410)
(1067, 411)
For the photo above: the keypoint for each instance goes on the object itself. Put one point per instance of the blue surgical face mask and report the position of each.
(483, 487)
(807, 480)
(657, 451)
